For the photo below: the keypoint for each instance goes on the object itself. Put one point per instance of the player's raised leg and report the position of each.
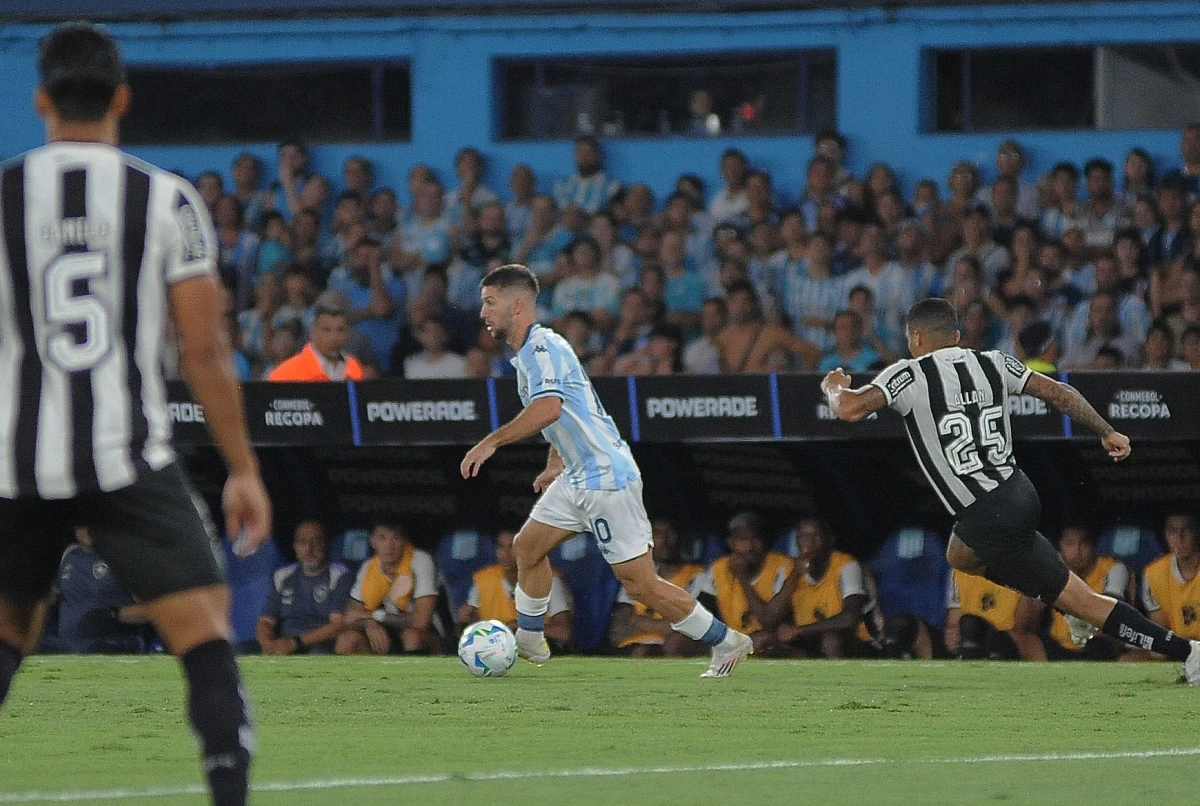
(532, 546)
(686, 615)
(1039, 572)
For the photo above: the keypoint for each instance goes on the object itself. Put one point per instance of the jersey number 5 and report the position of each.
(68, 310)
(963, 450)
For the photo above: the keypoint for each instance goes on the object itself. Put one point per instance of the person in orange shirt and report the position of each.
(323, 359)
(637, 628)
(1171, 584)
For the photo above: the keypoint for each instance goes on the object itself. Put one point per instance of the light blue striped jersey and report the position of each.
(593, 452)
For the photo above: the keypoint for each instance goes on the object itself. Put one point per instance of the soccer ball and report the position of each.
(488, 649)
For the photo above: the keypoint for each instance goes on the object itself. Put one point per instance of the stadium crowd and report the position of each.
(793, 591)
(708, 280)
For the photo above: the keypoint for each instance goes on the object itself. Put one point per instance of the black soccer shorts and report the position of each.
(1001, 527)
(155, 535)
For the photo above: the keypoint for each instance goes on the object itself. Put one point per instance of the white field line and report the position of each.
(78, 796)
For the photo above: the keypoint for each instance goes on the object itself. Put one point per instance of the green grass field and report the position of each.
(599, 731)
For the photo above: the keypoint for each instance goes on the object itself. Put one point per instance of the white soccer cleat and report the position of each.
(536, 651)
(1081, 631)
(724, 661)
(1191, 666)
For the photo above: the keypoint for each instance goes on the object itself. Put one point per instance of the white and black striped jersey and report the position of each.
(955, 408)
(92, 239)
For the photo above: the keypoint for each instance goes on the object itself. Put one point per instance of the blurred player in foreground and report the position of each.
(99, 249)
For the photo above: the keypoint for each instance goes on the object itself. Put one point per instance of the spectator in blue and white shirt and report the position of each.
(465, 200)
(303, 611)
(523, 184)
(589, 188)
(729, 204)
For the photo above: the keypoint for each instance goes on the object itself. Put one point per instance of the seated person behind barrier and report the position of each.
(323, 358)
(491, 596)
(988, 621)
(303, 612)
(392, 602)
(1171, 584)
(95, 614)
(828, 593)
(746, 587)
(1077, 546)
(638, 628)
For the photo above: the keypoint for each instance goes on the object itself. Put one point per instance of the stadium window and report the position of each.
(1013, 89)
(699, 95)
(317, 103)
(1100, 87)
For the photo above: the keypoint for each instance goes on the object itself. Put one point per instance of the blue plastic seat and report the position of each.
(593, 586)
(910, 572)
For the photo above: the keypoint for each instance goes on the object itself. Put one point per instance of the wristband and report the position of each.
(379, 615)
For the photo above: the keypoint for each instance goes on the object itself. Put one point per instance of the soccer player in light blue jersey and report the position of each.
(591, 482)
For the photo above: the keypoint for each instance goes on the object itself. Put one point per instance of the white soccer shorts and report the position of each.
(616, 518)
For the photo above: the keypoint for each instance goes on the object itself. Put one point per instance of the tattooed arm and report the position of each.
(1066, 398)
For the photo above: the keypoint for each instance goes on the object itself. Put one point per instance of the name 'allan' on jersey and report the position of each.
(955, 408)
(92, 241)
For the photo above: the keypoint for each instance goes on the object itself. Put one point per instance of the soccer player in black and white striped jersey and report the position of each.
(98, 251)
(955, 408)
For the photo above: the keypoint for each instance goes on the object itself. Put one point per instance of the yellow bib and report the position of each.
(378, 586)
(682, 577)
(731, 599)
(980, 597)
(494, 600)
(1059, 630)
(816, 602)
(1180, 601)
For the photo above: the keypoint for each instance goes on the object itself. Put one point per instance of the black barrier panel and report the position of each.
(422, 413)
(1143, 405)
(673, 408)
(1033, 418)
(804, 414)
(612, 390)
(298, 413)
(187, 416)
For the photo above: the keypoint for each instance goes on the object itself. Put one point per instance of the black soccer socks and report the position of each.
(10, 661)
(219, 716)
(1128, 625)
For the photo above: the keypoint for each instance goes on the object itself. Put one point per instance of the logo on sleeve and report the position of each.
(899, 382)
(1015, 367)
(191, 232)
(541, 348)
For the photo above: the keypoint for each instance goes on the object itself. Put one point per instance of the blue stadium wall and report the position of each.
(882, 101)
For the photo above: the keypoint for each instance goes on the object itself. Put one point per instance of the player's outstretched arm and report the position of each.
(533, 418)
(204, 359)
(1069, 401)
(849, 404)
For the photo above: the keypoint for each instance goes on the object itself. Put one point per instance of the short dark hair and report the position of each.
(1067, 168)
(1097, 164)
(1188, 332)
(293, 141)
(395, 526)
(351, 195)
(832, 134)
(733, 153)
(468, 151)
(80, 68)
(1086, 530)
(512, 275)
(862, 289)
(933, 316)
